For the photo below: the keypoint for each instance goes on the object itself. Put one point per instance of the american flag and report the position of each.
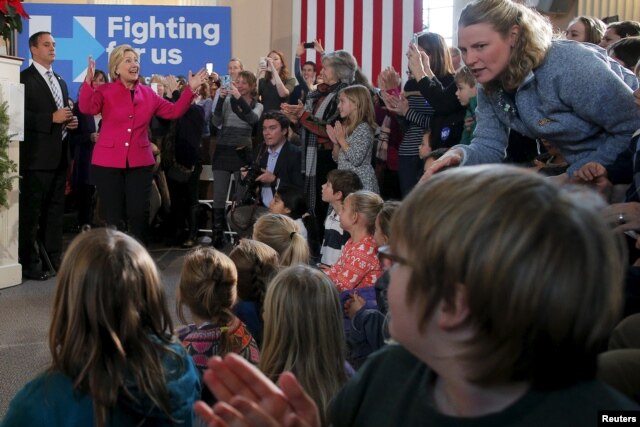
(376, 32)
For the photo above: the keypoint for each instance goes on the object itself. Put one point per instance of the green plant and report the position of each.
(8, 167)
(11, 14)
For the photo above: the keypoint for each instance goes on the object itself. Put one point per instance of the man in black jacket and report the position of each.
(43, 158)
(279, 160)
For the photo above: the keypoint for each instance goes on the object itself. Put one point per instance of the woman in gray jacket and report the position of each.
(545, 89)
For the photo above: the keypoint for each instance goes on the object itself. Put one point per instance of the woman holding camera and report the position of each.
(539, 87)
(276, 85)
(236, 112)
(122, 161)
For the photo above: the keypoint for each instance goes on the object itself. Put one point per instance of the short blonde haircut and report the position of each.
(533, 41)
(541, 269)
(303, 333)
(282, 234)
(116, 57)
(367, 203)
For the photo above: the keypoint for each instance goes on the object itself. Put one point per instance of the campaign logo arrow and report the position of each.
(78, 48)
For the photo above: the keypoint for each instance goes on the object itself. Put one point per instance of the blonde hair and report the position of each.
(464, 75)
(157, 78)
(110, 325)
(361, 98)
(367, 203)
(116, 57)
(303, 333)
(533, 40)
(256, 263)
(385, 215)
(514, 268)
(282, 234)
(594, 28)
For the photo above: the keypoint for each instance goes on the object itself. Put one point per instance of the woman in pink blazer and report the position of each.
(122, 160)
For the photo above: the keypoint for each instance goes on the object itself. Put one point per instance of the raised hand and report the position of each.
(317, 45)
(389, 79)
(233, 90)
(91, 69)
(195, 80)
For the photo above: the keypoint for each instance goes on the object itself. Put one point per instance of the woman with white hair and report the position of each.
(339, 70)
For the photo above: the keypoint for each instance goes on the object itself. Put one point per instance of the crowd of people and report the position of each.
(390, 271)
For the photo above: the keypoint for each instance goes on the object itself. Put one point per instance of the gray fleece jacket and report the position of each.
(579, 99)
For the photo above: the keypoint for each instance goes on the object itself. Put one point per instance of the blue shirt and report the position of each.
(562, 102)
(51, 400)
(272, 159)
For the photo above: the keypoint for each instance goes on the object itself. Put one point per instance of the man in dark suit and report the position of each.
(279, 159)
(43, 159)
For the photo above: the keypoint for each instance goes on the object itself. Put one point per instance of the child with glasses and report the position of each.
(496, 325)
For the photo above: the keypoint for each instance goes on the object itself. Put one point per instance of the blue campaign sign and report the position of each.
(169, 39)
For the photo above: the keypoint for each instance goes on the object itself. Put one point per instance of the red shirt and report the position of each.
(358, 266)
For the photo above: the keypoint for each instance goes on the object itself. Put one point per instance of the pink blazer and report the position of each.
(124, 134)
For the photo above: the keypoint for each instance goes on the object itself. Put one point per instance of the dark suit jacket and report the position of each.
(81, 146)
(43, 148)
(288, 166)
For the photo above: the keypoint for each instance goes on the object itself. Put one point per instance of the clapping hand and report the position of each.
(397, 104)
(337, 133)
(293, 112)
(247, 397)
(389, 79)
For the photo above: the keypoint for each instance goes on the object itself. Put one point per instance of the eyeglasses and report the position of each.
(388, 259)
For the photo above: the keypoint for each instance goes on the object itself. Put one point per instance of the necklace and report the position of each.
(504, 102)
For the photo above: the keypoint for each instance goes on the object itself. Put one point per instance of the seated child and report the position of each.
(282, 234)
(479, 305)
(114, 359)
(303, 332)
(367, 329)
(467, 95)
(207, 288)
(358, 265)
(340, 183)
(425, 145)
(256, 264)
(290, 201)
